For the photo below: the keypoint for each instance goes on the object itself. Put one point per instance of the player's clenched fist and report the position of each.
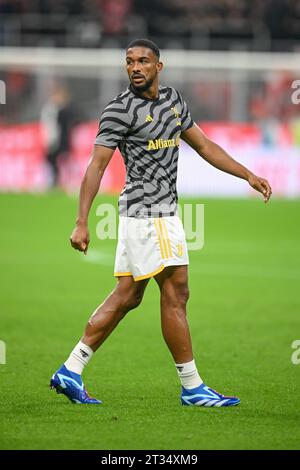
(80, 238)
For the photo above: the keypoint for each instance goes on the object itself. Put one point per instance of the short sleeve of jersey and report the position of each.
(186, 119)
(113, 125)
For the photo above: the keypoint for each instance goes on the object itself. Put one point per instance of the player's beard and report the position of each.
(144, 87)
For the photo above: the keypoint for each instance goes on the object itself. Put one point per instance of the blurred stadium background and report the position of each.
(235, 62)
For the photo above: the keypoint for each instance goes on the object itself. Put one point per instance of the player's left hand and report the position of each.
(261, 185)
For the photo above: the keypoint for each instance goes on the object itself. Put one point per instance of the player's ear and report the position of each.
(159, 66)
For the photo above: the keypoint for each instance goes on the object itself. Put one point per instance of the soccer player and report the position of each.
(146, 122)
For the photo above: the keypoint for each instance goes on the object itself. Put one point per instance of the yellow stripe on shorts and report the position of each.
(159, 238)
(163, 238)
(167, 236)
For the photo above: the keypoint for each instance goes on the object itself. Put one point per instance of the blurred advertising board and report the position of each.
(271, 150)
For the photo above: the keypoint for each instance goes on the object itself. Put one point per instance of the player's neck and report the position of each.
(151, 93)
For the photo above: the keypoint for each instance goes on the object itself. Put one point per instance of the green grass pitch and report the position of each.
(243, 312)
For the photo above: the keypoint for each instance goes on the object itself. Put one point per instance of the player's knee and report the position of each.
(182, 294)
(132, 299)
(177, 294)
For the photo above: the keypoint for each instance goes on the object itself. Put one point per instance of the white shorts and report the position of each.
(146, 246)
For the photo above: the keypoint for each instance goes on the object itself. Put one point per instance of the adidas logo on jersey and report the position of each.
(149, 118)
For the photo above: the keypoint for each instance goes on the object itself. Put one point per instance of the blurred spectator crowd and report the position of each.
(192, 24)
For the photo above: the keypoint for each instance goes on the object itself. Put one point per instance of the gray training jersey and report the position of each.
(147, 133)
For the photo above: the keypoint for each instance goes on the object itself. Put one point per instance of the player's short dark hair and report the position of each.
(144, 43)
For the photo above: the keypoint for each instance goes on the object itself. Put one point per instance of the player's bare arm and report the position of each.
(89, 187)
(216, 156)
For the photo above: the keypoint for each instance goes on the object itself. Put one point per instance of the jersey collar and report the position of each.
(132, 89)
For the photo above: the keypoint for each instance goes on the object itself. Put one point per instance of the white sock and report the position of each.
(188, 375)
(79, 358)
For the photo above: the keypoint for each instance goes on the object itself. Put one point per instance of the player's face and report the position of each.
(142, 67)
